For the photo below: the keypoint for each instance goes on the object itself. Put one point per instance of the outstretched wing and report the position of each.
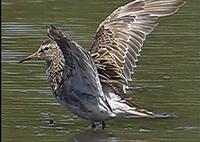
(120, 38)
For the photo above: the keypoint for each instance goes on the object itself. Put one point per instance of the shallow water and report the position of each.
(167, 78)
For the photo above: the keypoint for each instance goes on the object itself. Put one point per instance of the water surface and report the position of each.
(167, 77)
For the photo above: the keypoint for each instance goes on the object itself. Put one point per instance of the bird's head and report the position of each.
(48, 51)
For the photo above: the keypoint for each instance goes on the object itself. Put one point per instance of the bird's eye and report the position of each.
(46, 48)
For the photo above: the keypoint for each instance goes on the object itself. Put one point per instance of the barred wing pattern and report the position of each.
(120, 38)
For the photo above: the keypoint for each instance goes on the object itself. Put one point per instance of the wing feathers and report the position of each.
(120, 37)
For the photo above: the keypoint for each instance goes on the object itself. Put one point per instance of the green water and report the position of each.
(167, 77)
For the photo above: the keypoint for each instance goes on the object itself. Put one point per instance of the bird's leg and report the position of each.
(103, 125)
(93, 125)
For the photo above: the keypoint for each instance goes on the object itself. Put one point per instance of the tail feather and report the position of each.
(148, 114)
(135, 111)
(138, 113)
(127, 109)
(124, 107)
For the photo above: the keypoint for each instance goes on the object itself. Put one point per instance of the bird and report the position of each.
(93, 84)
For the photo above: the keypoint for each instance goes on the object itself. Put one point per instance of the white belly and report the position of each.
(94, 113)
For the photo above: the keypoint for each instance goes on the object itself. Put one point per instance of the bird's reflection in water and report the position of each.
(95, 136)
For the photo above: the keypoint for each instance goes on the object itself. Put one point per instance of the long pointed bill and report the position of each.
(32, 56)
